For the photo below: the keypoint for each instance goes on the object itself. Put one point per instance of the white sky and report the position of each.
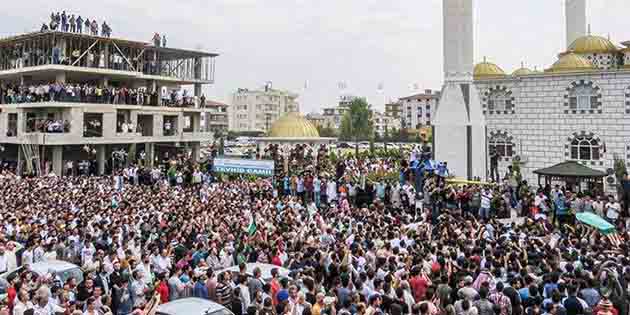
(360, 42)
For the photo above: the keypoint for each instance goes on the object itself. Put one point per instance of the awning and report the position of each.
(570, 169)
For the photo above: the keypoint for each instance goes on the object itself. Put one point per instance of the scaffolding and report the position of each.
(32, 158)
(82, 50)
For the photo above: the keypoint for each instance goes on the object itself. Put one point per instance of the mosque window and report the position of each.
(585, 148)
(501, 144)
(498, 100)
(583, 97)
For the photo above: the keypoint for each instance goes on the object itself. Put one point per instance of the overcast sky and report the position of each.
(323, 42)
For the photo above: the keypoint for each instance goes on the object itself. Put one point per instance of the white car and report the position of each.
(62, 269)
(265, 270)
(192, 306)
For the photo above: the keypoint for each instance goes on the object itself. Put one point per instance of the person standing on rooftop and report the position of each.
(79, 25)
(73, 26)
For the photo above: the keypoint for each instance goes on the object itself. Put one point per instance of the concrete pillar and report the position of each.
(180, 124)
(133, 118)
(150, 154)
(195, 120)
(109, 125)
(60, 77)
(131, 154)
(21, 122)
(105, 82)
(4, 124)
(197, 90)
(57, 160)
(158, 125)
(100, 158)
(76, 122)
(19, 160)
(196, 151)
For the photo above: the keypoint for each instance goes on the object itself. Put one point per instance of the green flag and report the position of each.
(251, 229)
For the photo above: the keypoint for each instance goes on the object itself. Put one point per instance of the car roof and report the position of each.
(265, 270)
(189, 306)
(54, 265)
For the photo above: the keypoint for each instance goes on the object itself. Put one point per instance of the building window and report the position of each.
(583, 97)
(498, 101)
(585, 147)
(502, 144)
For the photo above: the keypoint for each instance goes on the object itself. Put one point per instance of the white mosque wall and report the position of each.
(541, 122)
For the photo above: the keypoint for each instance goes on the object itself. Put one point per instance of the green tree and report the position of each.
(357, 124)
(326, 132)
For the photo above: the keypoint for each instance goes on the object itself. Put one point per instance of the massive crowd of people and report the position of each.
(90, 93)
(352, 245)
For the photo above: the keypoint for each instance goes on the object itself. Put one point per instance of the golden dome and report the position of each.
(571, 62)
(522, 71)
(487, 70)
(592, 44)
(292, 125)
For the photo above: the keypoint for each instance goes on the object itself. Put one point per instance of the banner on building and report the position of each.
(241, 166)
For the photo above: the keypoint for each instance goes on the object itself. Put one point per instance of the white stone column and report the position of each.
(149, 149)
(100, 158)
(57, 160)
(196, 151)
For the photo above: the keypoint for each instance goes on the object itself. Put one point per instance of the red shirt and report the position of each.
(162, 290)
(275, 287)
(276, 261)
(11, 294)
(419, 287)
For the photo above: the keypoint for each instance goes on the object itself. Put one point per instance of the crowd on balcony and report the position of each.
(89, 93)
(48, 125)
(61, 21)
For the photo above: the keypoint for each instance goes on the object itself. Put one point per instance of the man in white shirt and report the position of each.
(3, 260)
(162, 263)
(541, 202)
(612, 210)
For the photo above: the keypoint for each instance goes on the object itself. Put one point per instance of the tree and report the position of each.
(326, 132)
(357, 123)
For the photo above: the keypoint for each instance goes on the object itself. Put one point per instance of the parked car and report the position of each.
(192, 306)
(265, 270)
(62, 269)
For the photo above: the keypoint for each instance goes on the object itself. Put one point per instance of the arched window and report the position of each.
(585, 148)
(499, 101)
(501, 145)
(583, 97)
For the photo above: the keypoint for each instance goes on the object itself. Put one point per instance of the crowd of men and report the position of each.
(91, 93)
(350, 245)
(69, 23)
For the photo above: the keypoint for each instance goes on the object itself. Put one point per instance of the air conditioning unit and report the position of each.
(610, 180)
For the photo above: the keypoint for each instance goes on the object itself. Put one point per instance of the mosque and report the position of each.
(577, 109)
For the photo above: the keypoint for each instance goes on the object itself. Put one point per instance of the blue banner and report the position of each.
(238, 166)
